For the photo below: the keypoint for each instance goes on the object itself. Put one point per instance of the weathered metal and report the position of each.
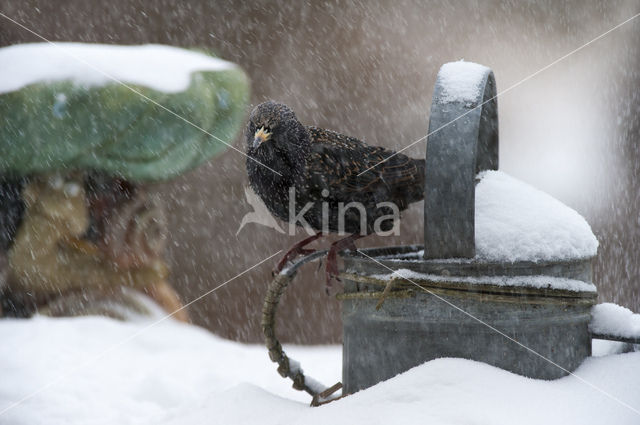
(444, 317)
(462, 141)
(444, 310)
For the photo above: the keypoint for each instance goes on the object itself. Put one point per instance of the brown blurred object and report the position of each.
(367, 69)
(130, 225)
(130, 230)
(53, 271)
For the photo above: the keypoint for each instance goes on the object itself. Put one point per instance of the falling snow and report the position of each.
(569, 136)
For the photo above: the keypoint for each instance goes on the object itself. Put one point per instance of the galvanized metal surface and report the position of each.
(463, 140)
(438, 316)
(407, 257)
(412, 329)
(618, 338)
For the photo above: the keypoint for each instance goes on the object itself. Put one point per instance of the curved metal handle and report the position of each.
(462, 141)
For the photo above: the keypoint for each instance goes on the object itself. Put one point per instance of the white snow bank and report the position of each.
(177, 374)
(159, 67)
(461, 81)
(603, 347)
(516, 222)
(614, 320)
(542, 282)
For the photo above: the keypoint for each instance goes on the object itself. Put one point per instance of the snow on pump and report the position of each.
(504, 276)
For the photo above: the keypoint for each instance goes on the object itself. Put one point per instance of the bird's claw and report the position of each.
(296, 251)
(330, 278)
(331, 270)
(287, 259)
(278, 268)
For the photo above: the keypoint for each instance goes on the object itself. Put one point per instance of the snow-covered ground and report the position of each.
(96, 370)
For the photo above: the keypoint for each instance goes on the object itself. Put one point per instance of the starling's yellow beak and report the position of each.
(260, 136)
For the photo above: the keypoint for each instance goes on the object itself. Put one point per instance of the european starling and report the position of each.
(324, 169)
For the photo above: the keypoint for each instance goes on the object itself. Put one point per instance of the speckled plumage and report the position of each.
(323, 166)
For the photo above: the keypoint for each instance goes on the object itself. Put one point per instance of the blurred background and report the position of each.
(367, 69)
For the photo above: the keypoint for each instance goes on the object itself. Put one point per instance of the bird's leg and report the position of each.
(296, 250)
(331, 269)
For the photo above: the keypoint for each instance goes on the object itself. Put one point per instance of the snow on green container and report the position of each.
(145, 113)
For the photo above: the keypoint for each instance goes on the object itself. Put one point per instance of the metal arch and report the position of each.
(462, 141)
